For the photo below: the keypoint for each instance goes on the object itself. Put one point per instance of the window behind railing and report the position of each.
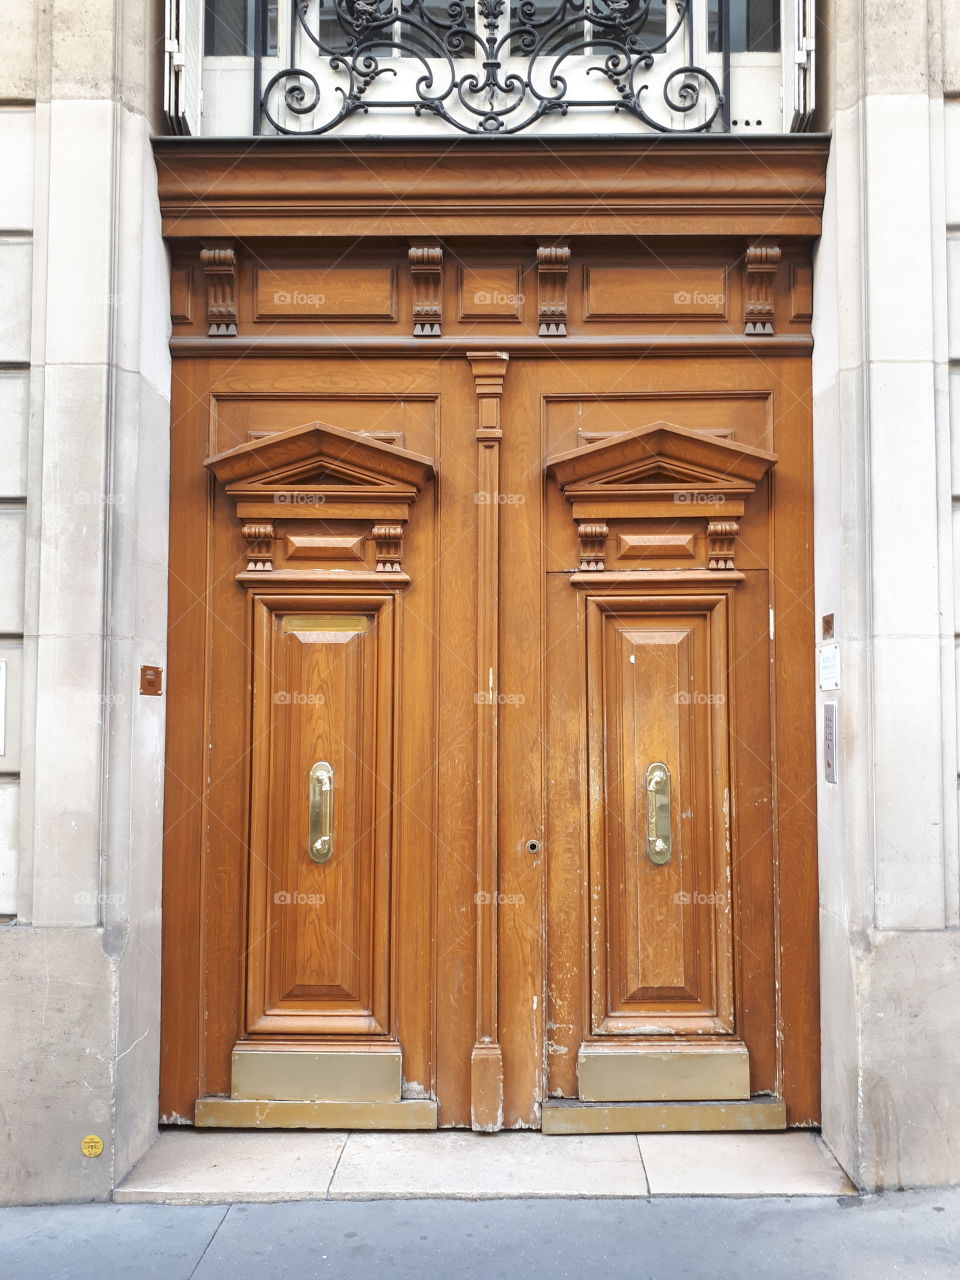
(408, 67)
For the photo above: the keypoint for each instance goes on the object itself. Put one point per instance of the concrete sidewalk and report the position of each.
(911, 1234)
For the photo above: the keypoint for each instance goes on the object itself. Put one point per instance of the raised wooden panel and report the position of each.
(319, 933)
(661, 934)
(743, 415)
(309, 546)
(801, 293)
(655, 291)
(656, 546)
(181, 295)
(490, 293)
(336, 293)
(409, 422)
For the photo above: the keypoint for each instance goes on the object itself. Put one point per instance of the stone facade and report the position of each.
(886, 280)
(84, 390)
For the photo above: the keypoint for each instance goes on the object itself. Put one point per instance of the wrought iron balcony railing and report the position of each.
(493, 69)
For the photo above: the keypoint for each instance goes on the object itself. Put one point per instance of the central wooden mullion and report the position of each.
(486, 1061)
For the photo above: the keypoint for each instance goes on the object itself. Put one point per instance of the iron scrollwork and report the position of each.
(489, 70)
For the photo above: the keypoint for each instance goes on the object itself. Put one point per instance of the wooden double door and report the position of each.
(489, 755)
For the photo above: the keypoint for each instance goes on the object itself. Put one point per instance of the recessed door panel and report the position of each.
(320, 927)
(658, 844)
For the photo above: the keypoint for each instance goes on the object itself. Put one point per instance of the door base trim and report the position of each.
(709, 1072)
(663, 1117)
(310, 1075)
(255, 1113)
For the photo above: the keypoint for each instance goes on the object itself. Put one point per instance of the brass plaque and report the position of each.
(355, 624)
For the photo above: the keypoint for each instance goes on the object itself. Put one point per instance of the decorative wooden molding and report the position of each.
(260, 552)
(553, 265)
(761, 263)
(316, 475)
(637, 186)
(219, 264)
(489, 371)
(426, 268)
(721, 541)
(486, 1061)
(662, 473)
(593, 544)
(389, 542)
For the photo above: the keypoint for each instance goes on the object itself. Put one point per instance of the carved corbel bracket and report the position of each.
(721, 543)
(426, 268)
(760, 269)
(593, 546)
(553, 264)
(260, 551)
(389, 547)
(218, 259)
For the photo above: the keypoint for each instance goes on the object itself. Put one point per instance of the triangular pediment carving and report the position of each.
(320, 457)
(289, 486)
(661, 457)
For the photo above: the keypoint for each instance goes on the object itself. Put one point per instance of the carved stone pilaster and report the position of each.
(426, 267)
(389, 543)
(593, 546)
(260, 551)
(553, 264)
(760, 270)
(721, 541)
(219, 264)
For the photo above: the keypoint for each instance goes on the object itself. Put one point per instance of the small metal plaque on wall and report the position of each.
(830, 741)
(151, 681)
(828, 657)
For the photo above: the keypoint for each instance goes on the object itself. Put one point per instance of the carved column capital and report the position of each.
(489, 370)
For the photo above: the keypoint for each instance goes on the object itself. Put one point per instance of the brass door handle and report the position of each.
(659, 836)
(320, 834)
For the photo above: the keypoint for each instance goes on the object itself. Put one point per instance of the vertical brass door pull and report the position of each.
(659, 836)
(320, 837)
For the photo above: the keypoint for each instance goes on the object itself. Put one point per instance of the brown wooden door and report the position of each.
(486, 803)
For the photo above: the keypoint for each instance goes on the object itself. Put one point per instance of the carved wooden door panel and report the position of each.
(303, 687)
(646, 608)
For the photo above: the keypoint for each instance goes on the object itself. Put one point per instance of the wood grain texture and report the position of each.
(486, 1103)
(489, 961)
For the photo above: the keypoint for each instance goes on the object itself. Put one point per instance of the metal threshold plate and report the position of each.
(256, 1113)
(663, 1117)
